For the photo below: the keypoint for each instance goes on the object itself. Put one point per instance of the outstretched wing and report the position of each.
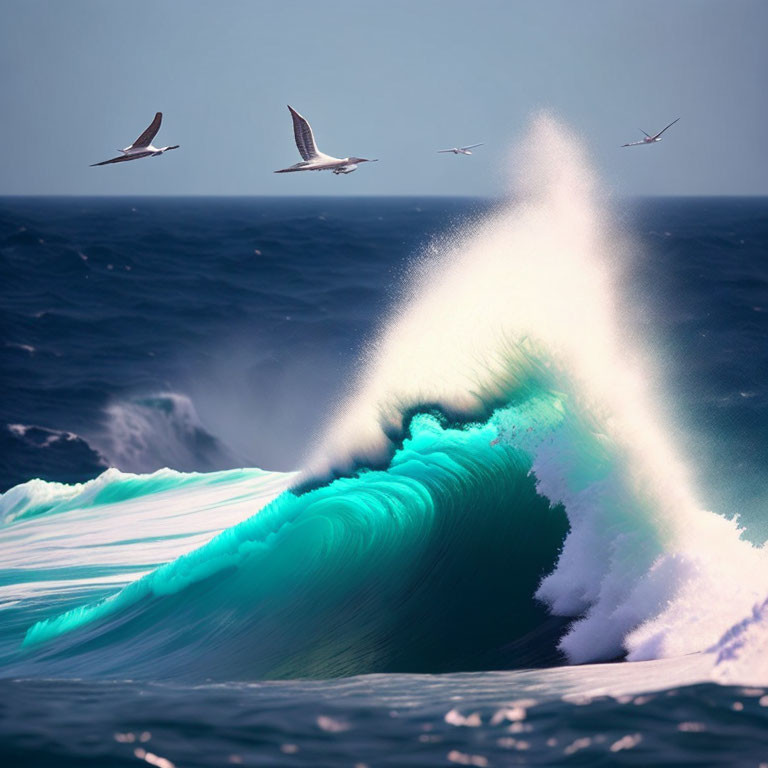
(445, 150)
(123, 158)
(646, 134)
(662, 131)
(305, 140)
(146, 138)
(634, 143)
(472, 146)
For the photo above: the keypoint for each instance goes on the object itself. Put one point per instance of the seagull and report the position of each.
(142, 147)
(461, 150)
(648, 138)
(314, 159)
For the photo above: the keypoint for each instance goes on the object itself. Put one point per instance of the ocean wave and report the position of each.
(504, 449)
(161, 429)
(63, 453)
(429, 565)
(41, 437)
(39, 497)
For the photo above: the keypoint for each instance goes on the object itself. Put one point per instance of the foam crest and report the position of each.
(39, 497)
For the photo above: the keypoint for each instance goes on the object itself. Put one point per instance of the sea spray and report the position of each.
(159, 429)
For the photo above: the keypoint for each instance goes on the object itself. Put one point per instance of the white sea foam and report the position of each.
(741, 654)
(111, 530)
(42, 437)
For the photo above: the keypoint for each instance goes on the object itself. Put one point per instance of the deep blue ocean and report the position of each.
(189, 609)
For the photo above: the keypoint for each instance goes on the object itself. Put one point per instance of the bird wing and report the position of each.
(646, 134)
(446, 150)
(634, 143)
(146, 138)
(123, 158)
(305, 139)
(472, 146)
(662, 131)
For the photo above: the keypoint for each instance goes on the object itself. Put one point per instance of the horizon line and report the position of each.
(193, 196)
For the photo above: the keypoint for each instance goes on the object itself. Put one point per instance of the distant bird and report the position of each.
(142, 147)
(461, 150)
(648, 138)
(314, 159)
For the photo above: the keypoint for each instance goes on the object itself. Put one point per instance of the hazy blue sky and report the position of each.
(394, 80)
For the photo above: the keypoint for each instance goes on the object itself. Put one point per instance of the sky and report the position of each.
(394, 80)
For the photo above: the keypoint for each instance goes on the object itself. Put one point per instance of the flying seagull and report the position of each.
(461, 150)
(648, 138)
(142, 147)
(314, 159)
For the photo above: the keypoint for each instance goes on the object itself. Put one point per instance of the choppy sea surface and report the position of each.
(384, 481)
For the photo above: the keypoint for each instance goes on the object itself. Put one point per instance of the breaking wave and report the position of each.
(500, 487)
(160, 430)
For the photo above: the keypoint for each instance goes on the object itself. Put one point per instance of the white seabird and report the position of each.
(314, 159)
(142, 147)
(648, 138)
(461, 150)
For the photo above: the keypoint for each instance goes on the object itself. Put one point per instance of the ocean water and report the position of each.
(386, 481)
